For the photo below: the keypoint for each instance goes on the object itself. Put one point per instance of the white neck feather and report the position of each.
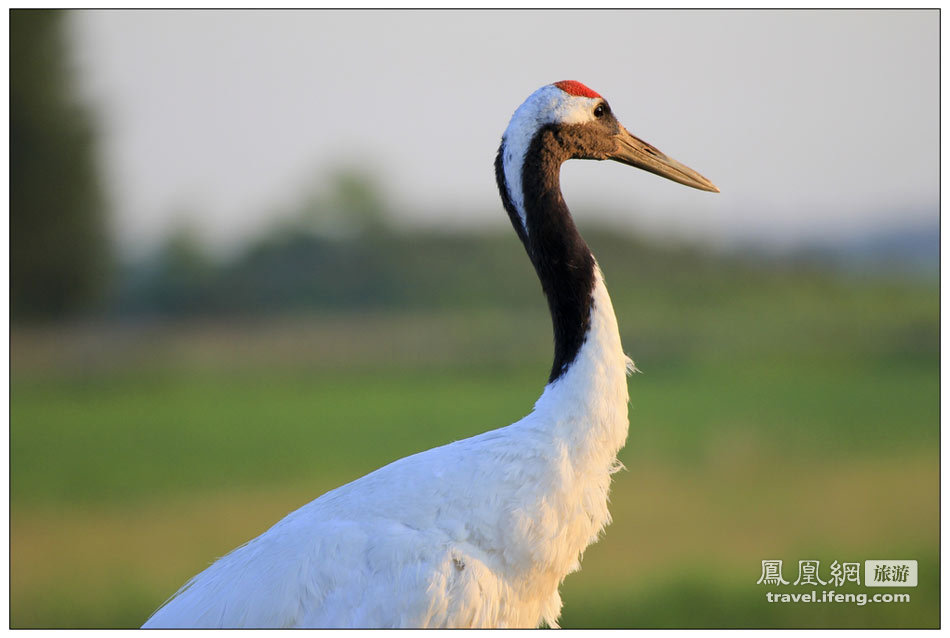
(587, 405)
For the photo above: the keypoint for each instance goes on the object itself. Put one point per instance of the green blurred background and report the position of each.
(167, 408)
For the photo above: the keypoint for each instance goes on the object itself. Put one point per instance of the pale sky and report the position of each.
(812, 123)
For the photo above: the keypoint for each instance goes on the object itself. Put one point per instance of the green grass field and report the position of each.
(787, 416)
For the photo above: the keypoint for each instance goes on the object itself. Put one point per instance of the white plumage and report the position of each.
(477, 533)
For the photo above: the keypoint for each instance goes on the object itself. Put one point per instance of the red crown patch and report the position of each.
(571, 87)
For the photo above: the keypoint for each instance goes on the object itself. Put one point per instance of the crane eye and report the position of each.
(600, 110)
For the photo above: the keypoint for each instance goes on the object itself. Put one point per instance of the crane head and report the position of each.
(586, 128)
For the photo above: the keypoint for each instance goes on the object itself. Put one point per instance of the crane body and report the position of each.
(480, 532)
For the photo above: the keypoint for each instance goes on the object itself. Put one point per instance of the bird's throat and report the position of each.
(561, 258)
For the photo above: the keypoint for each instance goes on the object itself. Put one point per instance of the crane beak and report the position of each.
(635, 152)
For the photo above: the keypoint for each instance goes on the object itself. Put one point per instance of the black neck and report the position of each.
(560, 256)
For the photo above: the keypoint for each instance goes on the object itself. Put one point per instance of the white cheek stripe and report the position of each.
(547, 105)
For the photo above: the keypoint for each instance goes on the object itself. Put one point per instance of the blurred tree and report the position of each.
(60, 253)
(352, 204)
(184, 273)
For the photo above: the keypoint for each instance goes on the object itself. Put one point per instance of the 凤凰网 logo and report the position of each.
(877, 573)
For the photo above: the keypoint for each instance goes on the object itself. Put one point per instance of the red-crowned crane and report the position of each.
(480, 532)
